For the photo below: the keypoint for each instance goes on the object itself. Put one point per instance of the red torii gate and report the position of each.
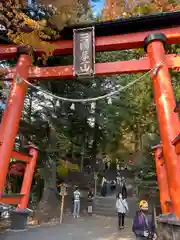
(152, 33)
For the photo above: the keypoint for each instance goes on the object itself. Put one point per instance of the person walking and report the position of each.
(113, 186)
(122, 209)
(124, 189)
(104, 187)
(90, 202)
(118, 179)
(118, 182)
(76, 200)
(143, 223)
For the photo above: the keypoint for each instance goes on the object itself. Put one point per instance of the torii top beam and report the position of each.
(115, 35)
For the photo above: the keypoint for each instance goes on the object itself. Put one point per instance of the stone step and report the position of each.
(106, 214)
(111, 213)
(109, 201)
(106, 199)
(106, 206)
(106, 203)
(101, 207)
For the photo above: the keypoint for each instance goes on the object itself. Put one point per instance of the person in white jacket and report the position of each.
(122, 209)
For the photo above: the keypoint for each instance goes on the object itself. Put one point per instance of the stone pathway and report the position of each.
(84, 228)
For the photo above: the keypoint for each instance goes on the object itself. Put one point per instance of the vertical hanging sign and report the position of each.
(84, 52)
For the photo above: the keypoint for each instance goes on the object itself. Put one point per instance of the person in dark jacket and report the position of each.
(104, 187)
(143, 223)
(124, 190)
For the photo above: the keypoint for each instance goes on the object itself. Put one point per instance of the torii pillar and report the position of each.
(169, 124)
(161, 172)
(12, 114)
(28, 176)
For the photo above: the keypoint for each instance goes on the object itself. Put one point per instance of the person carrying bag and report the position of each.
(122, 209)
(143, 224)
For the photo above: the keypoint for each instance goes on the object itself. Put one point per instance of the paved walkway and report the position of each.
(84, 228)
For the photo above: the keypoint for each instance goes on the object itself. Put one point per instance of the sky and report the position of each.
(97, 6)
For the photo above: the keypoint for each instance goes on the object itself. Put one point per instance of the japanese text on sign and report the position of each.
(84, 52)
(84, 47)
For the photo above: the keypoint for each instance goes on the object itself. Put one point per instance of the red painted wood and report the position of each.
(120, 67)
(134, 40)
(18, 166)
(162, 179)
(21, 156)
(169, 124)
(106, 43)
(17, 169)
(12, 116)
(15, 172)
(176, 143)
(177, 147)
(11, 200)
(28, 177)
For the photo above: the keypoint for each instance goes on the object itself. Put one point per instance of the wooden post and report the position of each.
(82, 161)
(169, 123)
(154, 214)
(95, 184)
(62, 208)
(63, 193)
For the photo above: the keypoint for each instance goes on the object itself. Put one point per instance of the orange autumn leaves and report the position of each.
(23, 30)
(114, 9)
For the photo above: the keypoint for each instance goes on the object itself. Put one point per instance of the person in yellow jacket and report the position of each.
(143, 223)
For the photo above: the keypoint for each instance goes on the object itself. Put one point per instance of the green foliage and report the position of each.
(123, 127)
(66, 166)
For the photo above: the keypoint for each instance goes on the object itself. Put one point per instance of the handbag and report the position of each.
(146, 223)
(126, 210)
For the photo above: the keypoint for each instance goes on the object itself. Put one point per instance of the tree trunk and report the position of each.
(48, 206)
(82, 162)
